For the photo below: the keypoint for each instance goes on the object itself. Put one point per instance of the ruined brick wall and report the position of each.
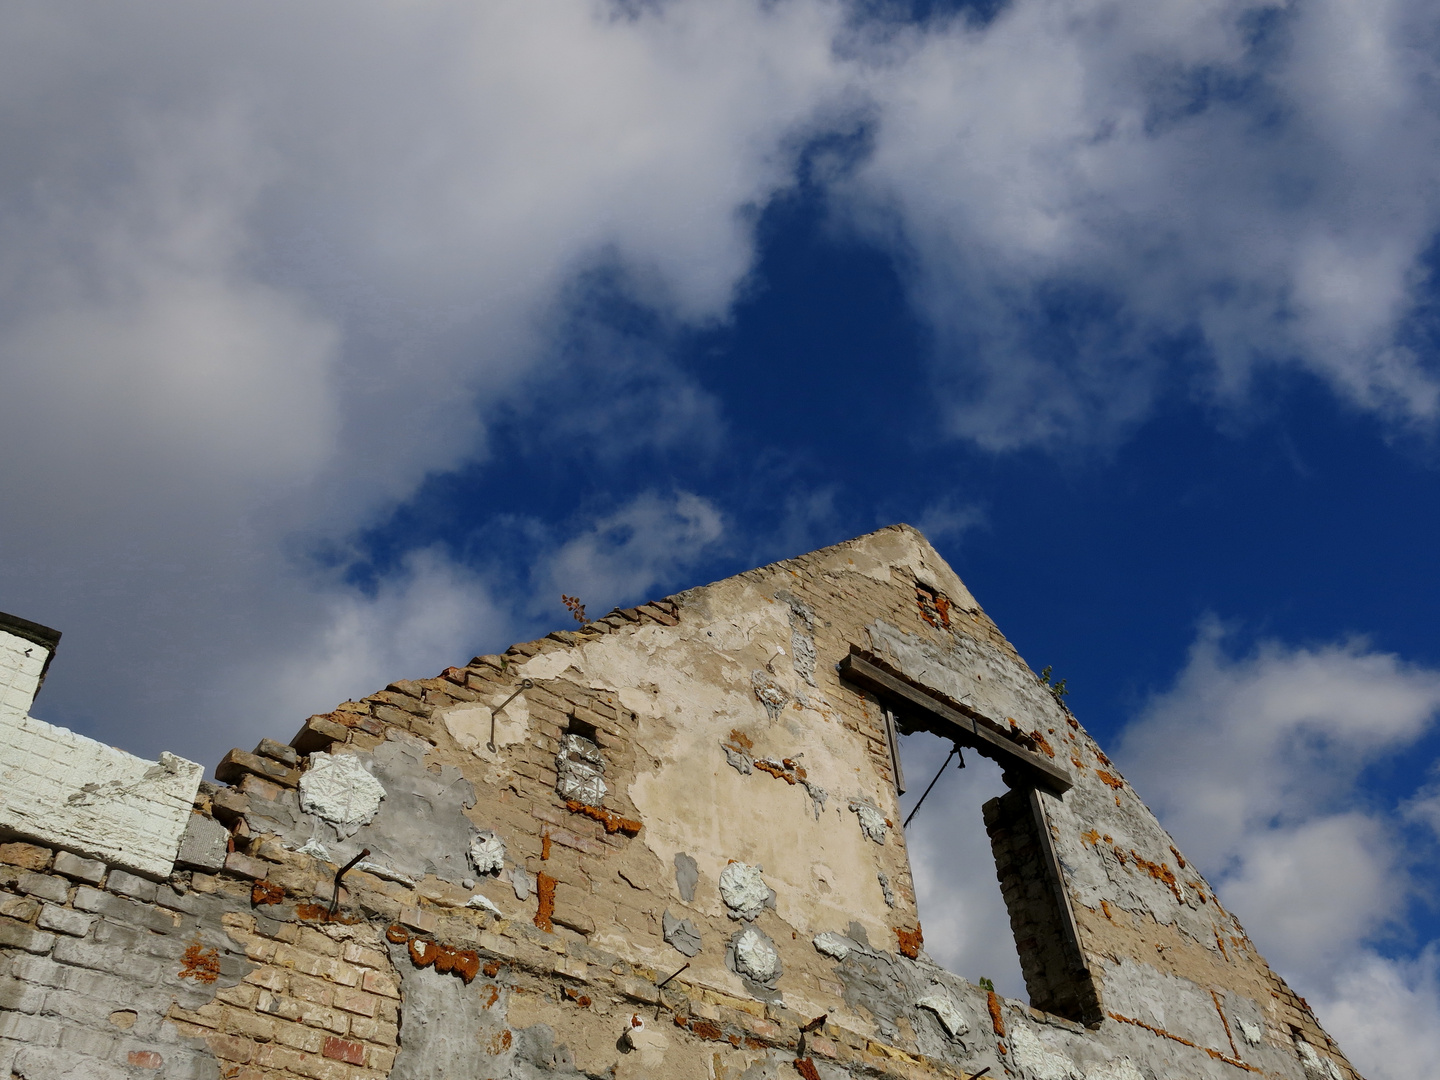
(664, 844)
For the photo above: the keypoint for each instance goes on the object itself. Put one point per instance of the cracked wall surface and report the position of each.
(664, 844)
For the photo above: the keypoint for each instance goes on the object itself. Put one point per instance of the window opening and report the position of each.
(1017, 824)
(967, 926)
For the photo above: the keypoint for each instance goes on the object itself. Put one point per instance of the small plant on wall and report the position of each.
(575, 607)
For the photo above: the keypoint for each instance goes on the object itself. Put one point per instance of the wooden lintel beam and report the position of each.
(960, 723)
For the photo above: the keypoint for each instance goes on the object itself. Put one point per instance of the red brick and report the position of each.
(344, 1050)
(146, 1059)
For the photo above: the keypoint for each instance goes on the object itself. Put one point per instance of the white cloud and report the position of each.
(623, 555)
(263, 271)
(1261, 174)
(1255, 764)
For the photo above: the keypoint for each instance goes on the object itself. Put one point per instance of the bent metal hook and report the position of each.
(525, 684)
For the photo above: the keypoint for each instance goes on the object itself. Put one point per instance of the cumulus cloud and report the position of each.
(1255, 762)
(1084, 188)
(265, 270)
(627, 553)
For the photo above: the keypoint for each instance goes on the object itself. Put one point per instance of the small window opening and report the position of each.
(576, 726)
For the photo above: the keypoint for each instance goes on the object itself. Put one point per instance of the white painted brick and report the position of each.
(21, 663)
(64, 789)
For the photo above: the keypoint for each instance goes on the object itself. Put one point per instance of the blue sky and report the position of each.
(337, 342)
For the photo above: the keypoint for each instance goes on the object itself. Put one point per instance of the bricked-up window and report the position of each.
(1031, 877)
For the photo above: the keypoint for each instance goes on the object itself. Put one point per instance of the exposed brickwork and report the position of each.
(1054, 973)
(566, 956)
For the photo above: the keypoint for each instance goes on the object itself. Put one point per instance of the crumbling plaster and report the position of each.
(500, 929)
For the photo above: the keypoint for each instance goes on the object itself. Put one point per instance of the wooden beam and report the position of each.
(958, 722)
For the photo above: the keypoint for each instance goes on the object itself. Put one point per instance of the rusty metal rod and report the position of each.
(335, 895)
(954, 749)
(525, 684)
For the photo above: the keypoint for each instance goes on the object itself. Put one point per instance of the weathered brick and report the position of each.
(382, 983)
(45, 886)
(358, 954)
(352, 1053)
(230, 1047)
(283, 1056)
(87, 1042)
(243, 1022)
(28, 1029)
(355, 1001)
(316, 1015)
(107, 958)
(237, 764)
(245, 866)
(64, 921)
(16, 995)
(144, 1059)
(374, 1031)
(316, 942)
(127, 884)
(269, 978)
(91, 871)
(25, 856)
(418, 919)
(16, 936)
(298, 1036)
(243, 995)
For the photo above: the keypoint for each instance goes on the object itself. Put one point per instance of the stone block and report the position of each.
(245, 866)
(15, 936)
(203, 844)
(25, 856)
(237, 764)
(127, 884)
(227, 805)
(21, 908)
(64, 921)
(278, 751)
(91, 871)
(45, 886)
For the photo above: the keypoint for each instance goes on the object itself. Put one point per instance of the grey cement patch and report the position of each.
(687, 876)
(681, 934)
(538, 1057)
(445, 1029)
(420, 827)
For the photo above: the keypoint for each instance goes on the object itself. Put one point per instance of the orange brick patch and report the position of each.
(145, 1059)
(910, 941)
(613, 822)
